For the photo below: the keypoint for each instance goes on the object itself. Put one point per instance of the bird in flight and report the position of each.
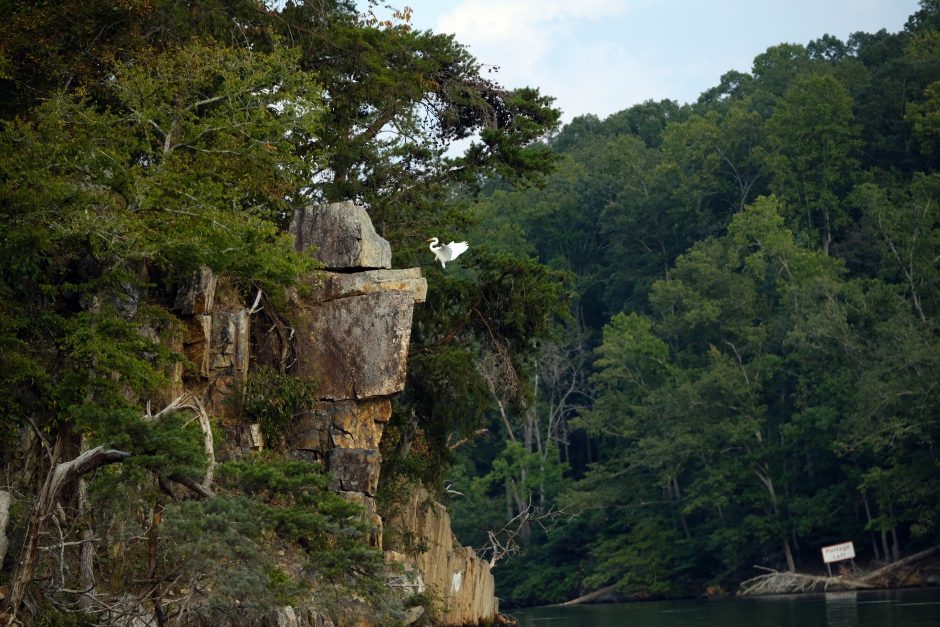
(447, 252)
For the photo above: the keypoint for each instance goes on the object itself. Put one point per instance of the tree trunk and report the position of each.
(895, 545)
(685, 524)
(153, 540)
(5, 500)
(791, 565)
(874, 538)
(86, 572)
(59, 475)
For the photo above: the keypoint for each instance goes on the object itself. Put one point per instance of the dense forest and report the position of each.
(750, 370)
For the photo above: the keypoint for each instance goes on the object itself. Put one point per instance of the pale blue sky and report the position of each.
(602, 56)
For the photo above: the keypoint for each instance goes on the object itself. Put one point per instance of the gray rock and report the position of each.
(354, 347)
(412, 614)
(333, 285)
(354, 469)
(342, 236)
(196, 296)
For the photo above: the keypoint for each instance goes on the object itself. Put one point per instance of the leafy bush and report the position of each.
(274, 400)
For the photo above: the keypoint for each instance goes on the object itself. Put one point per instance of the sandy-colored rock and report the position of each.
(344, 424)
(341, 236)
(196, 341)
(196, 296)
(333, 285)
(371, 515)
(355, 347)
(228, 351)
(402, 574)
(454, 574)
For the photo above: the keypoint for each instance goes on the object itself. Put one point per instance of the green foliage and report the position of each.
(812, 143)
(274, 400)
(142, 141)
(759, 272)
(294, 502)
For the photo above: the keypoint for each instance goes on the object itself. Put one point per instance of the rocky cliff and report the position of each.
(450, 572)
(349, 329)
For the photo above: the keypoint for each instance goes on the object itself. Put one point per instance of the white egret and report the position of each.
(447, 252)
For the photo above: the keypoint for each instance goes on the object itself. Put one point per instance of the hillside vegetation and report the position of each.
(751, 369)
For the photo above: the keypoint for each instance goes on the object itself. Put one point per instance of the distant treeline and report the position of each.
(752, 370)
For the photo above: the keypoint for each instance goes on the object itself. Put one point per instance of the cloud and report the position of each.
(527, 32)
(602, 78)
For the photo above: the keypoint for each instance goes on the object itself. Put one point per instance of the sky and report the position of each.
(603, 56)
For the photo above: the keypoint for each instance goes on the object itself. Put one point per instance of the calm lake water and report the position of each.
(883, 608)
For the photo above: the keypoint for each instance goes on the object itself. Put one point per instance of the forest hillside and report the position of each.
(750, 369)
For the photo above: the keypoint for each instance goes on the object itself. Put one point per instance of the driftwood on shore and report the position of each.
(776, 582)
(876, 576)
(590, 596)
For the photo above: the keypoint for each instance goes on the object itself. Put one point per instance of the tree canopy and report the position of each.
(755, 276)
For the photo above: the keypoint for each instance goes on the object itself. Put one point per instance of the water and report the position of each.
(882, 608)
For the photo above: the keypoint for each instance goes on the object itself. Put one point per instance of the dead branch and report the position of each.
(775, 582)
(58, 476)
(590, 596)
(505, 541)
(467, 439)
(193, 485)
(193, 403)
(875, 575)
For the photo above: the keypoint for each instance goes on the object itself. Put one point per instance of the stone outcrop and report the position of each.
(349, 329)
(450, 572)
(215, 341)
(352, 326)
(343, 424)
(341, 236)
(357, 346)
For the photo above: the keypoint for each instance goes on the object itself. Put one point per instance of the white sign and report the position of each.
(838, 552)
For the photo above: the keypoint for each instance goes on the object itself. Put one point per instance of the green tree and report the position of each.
(813, 146)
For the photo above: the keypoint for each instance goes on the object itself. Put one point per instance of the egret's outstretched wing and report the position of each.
(455, 249)
(447, 252)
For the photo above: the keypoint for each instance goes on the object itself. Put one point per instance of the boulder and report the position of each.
(341, 236)
(355, 347)
(354, 469)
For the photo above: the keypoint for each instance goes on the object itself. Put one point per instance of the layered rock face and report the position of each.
(452, 573)
(350, 331)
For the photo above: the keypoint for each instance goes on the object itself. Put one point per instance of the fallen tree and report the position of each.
(881, 574)
(776, 582)
(786, 582)
(590, 596)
